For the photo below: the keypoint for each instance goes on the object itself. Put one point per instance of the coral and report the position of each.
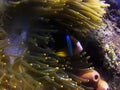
(102, 85)
(28, 43)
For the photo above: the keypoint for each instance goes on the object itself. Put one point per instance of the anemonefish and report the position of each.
(78, 47)
(70, 51)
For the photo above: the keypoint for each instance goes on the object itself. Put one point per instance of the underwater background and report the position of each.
(59, 44)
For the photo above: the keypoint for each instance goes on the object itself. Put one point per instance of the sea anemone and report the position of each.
(27, 40)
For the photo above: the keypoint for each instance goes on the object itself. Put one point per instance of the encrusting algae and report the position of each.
(28, 58)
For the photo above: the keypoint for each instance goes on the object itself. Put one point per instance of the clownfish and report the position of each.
(73, 47)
